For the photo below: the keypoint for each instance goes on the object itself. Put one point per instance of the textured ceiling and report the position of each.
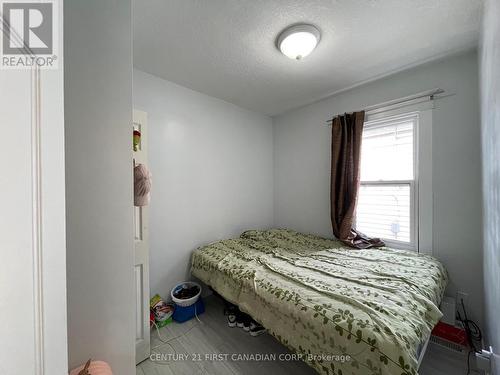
(226, 48)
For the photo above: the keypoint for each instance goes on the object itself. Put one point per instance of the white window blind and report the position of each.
(386, 201)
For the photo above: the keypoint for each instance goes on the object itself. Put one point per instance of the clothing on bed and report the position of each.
(345, 311)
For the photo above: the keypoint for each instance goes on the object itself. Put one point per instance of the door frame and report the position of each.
(141, 249)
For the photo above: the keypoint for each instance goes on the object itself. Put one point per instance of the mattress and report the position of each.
(341, 310)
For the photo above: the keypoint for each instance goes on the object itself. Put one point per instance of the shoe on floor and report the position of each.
(231, 320)
(231, 314)
(246, 324)
(241, 319)
(256, 329)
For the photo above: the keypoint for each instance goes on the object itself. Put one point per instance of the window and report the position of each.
(388, 191)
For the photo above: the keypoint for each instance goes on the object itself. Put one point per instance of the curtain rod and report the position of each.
(423, 94)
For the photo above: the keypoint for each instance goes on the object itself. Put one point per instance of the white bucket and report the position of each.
(188, 301)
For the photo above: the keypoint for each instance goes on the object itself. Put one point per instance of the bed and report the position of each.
(341, 310)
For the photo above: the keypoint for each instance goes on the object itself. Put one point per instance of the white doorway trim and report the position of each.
(37, 243)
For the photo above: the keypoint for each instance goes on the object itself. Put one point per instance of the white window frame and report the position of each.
(413, 184)
(421, 202)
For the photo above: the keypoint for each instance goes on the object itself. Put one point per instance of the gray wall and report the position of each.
(490, 99)
(98, 117)
(212, 167)
(302, 164)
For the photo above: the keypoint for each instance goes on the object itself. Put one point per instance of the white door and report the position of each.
(32, 218)
(32, 224)
(141, 269)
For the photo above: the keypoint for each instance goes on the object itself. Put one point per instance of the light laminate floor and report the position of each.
(199, 348)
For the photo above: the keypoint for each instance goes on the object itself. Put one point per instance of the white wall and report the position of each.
(490, 99)
(212, 170)
(302, 164)
(98, 118)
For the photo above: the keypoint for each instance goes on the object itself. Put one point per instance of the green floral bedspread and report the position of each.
(342, 310)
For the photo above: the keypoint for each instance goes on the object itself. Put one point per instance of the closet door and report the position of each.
(141, 248)
(32, 223)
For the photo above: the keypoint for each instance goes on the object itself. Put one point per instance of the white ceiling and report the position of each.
(226, 48)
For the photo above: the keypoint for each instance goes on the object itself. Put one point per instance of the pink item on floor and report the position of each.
(95, 368)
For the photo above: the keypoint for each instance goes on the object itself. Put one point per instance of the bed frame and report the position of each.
(422, 352)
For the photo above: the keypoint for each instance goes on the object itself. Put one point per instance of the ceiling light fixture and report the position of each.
(298, 41)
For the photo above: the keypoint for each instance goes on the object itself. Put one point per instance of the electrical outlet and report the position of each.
(462, 296)
(483, 360)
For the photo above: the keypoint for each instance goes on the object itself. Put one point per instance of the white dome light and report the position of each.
(298, 41)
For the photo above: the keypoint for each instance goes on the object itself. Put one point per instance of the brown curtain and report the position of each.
(344, 184)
